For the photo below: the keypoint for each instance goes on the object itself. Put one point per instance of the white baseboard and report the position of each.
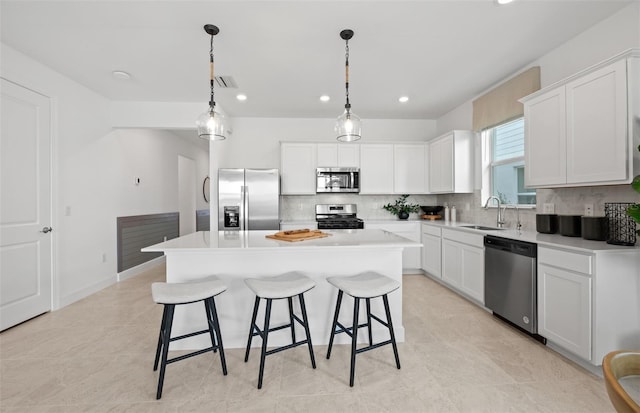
(138, 269)
(85, 292)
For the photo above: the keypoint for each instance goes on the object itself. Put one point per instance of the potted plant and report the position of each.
(634, 210)
(401, 208)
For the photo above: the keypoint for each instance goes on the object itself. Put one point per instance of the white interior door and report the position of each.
(187, 194)
(25, 204)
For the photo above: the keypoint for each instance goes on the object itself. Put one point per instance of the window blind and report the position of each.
(501, 103)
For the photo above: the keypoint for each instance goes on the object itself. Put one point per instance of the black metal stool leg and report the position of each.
(212, 334)
(354, 339)
(166, 336)
(368, 301)
(162, 323)
(263, 354)
(293, 326)
(335, 323)
(251, 329)
(391, 333)
(303, 307)
(216, 326)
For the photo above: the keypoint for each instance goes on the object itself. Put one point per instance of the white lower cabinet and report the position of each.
(408, 229)
(432, 250)
(588, 303)
(463, 262)
(564, 309)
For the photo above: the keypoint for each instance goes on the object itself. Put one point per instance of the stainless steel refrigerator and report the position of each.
(248, 199)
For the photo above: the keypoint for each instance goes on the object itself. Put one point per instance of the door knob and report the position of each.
(46, 229)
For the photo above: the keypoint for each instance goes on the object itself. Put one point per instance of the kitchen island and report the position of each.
(236, 255)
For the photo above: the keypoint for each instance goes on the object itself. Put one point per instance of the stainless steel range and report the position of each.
(338, 216)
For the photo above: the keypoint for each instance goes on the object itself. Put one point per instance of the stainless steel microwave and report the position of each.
(337, 180)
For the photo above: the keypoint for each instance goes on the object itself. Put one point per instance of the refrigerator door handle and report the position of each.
(245, 197)
(242, 217)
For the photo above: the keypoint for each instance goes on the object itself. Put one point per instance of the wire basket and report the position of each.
(622, 228)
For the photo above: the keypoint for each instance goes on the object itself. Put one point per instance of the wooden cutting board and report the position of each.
(298, 235)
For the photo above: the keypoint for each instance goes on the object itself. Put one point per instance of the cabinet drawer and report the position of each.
(564, 259)
(476, 240)
(431, 230)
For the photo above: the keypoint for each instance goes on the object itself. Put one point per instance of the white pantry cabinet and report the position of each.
(580, 131)
(463, 262)
(451, 163)
(338, 155)
(376, 169)
(588, 303)
(297, 168)
(432, 250)
(409, 230)
(409, 172)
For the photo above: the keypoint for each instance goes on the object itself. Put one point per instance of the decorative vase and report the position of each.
(403, 215)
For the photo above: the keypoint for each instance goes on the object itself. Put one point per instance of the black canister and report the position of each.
(570, 225)
(547, 223)
(594, 228)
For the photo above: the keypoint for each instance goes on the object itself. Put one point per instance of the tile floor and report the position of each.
(96, 355)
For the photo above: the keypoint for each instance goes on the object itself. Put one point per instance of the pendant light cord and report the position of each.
(347, 106)
(212, 102)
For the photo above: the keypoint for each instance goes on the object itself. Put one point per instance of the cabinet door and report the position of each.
(298, 168)
(349, 155)
(376, 169)
(473, 272)
(597, 126)
(431, 254)
(564, 309)
(545, 139)
(327, 154)
(441, 154)
(409, 169)
(452, 263)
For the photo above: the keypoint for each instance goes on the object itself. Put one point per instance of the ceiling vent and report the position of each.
(226, 82)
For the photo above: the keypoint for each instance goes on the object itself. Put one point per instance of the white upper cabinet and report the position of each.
(340, 155)
(298, 168)
(409, 175)
(581, 131)
(451, 163)
(545, 139)
(376, 169)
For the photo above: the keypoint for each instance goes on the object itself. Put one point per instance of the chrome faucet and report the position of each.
(499, 219)
(514, 206)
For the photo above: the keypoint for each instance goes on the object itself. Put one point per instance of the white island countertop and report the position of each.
(255, 240)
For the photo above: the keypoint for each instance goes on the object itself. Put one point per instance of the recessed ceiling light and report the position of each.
(241, 96)
(120, 75)
(324, 98)
(403, 99)
(502, 2)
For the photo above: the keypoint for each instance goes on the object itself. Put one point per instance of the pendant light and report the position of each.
(211, 124)
(348, 125)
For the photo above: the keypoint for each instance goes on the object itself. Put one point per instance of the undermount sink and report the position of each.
(481, 227)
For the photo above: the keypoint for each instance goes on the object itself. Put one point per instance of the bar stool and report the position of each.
(287, 286)
(172, 294)
(366, 285)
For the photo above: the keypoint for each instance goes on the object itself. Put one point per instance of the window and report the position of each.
(503, 164)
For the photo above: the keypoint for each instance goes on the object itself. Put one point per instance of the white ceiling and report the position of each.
(285, 54)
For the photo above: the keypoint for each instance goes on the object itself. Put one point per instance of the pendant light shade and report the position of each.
(348, 125)
(212, 124)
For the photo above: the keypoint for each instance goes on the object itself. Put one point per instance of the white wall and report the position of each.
(93, 176)
(611, 36)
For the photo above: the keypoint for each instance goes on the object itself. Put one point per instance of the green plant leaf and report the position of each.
(634, 212)
(635, 184)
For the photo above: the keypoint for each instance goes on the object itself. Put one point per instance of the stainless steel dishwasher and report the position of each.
(510, 281)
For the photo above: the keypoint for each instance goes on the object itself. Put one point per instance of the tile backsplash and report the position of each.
(567, 201)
